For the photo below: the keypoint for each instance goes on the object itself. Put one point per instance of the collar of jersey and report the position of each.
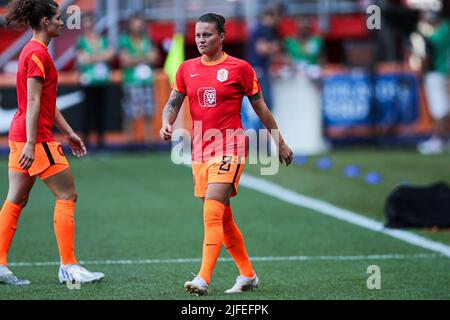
(40, 42)
(213, 63)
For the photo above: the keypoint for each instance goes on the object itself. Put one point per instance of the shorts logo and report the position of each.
(222, 75)
(207, 97)
(60, 151)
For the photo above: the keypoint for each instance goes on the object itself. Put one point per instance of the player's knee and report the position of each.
(221, 197)
(69, 195)
(219, 192)
(20, 200)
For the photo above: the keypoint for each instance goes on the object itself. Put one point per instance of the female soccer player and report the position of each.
(215, 84)
(33, 149)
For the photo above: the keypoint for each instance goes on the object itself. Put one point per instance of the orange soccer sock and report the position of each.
(234, 243)
(65, 230)
(9, 215)
(213, 211)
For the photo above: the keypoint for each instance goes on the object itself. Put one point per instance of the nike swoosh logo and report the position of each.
(63, 102)
(194, 75)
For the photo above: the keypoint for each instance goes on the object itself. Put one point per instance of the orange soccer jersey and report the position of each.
(215, 91)
(35, 62)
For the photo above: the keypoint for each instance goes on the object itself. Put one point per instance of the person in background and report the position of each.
(305, 50)
(137, 57)
(93, 56)
(263, 45)
(437, 85)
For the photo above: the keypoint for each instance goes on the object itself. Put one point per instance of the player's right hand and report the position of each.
(166, 132)
(285, 154)
(76, 145)
(27, 157)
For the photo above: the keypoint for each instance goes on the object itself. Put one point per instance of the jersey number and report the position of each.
(226, 163)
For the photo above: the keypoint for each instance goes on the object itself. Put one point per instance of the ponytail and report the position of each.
(23, 13)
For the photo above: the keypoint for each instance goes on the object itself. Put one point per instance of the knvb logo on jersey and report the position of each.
(222, 75)
(207, 97)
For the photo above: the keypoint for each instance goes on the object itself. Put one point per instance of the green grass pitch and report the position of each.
(137, 207)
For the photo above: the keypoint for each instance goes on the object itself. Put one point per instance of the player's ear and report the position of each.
(222, 37)
(45, 22)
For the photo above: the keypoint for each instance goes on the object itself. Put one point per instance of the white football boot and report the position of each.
(7, 277)
(244, 284)
(197, 286)
(76, 273)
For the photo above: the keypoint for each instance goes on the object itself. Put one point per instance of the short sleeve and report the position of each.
(249, 82)
(179, 83)
(36, 65)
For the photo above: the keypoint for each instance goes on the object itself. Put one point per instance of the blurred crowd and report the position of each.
(424, 46)
(137, 56)
(272, 56)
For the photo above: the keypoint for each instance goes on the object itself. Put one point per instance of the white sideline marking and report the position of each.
(261, 259)
(287, 195)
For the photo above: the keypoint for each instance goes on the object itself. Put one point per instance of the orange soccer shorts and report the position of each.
(223, 169)
(49, 159)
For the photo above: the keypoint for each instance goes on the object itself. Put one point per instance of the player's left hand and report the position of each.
(166, 132)
(76, 145)
(285, 154)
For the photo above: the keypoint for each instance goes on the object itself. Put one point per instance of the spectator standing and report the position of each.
(137, 57)
(437, 87)
(263, 45)
(93, 56)
(305, 50)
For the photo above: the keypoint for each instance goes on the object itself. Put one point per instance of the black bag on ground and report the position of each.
(424, 207)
